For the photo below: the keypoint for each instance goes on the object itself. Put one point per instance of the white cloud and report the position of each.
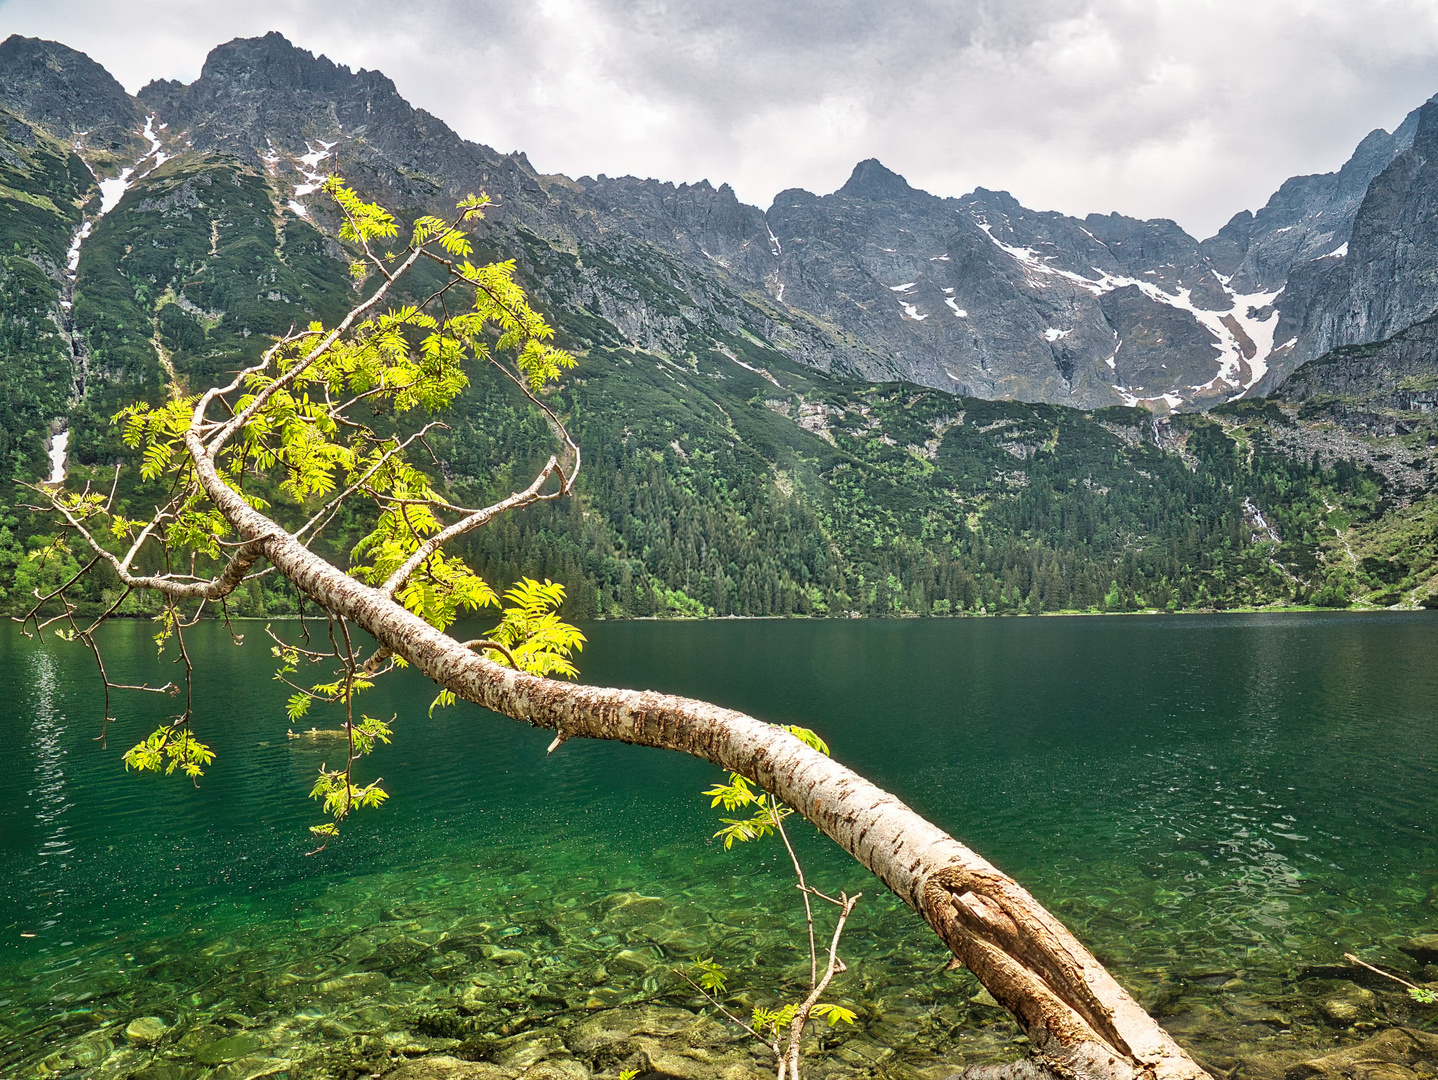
(1191, 110)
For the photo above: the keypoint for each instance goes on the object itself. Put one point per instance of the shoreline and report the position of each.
(1285, 609)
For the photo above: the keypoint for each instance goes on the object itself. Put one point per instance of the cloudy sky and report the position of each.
(1190, 109)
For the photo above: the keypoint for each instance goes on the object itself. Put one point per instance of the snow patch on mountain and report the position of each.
(1133, 401)
(158, 156)
(113, 190)
(309, 166)
(1244, 339)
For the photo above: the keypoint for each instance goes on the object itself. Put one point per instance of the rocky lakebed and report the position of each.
(555, 985)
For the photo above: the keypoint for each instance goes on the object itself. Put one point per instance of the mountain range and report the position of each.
(975, 295)
(817, 367)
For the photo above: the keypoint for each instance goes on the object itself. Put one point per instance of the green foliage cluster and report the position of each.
(170, 749)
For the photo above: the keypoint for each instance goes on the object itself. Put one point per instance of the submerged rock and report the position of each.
(222, 1051)
(497, 955)
(633, 961)
(146, 1030)
(251, 1068)
(529, 1048)
(632, 909)
(444, 1067)
(1389, 1056)
(558, 1069)
(600, 1031)
(356, 984)
(1423, 948)
(1349, 1005)
(91, 1050)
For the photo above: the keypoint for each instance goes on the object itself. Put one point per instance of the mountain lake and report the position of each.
(1219, 806)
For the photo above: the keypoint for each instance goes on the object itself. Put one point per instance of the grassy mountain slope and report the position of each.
(42, 187)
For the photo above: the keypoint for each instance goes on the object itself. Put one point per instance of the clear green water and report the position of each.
(1219, 806)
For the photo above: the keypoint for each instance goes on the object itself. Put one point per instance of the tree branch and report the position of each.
(244, 416)
(479, 518)
(248, 553)
(335, 503)
(801, 1018)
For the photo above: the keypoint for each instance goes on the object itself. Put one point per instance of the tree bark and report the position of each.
(1080, 1022)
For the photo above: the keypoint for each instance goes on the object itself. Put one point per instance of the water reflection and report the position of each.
(46, 883)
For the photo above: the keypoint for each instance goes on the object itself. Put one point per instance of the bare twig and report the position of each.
(796, 1028)
(716, 1003)
(1380, 971)
(486, 643)
(803, 888)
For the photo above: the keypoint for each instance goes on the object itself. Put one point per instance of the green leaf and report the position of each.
(808, 737)
(835, 1014)
(733, 795)
(540, 642)
(711, 975)
(169, 748)
(777, 1019)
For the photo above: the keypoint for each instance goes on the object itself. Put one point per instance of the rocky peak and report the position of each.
(254, 93)
(276, 64)
(65, 91)
(695, 219)
(1389, 280)
(1307, 218)
(871, 180)
(271, 103)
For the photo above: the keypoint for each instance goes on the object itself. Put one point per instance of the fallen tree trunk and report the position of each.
(1080, 1021)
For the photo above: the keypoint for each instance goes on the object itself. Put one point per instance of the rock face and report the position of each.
(1305, 219)
(1397, 1054)
(1368, 232)
(977, 295)
(264, 100)
(67, 92)
(1400, 373)
(1390, 278)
